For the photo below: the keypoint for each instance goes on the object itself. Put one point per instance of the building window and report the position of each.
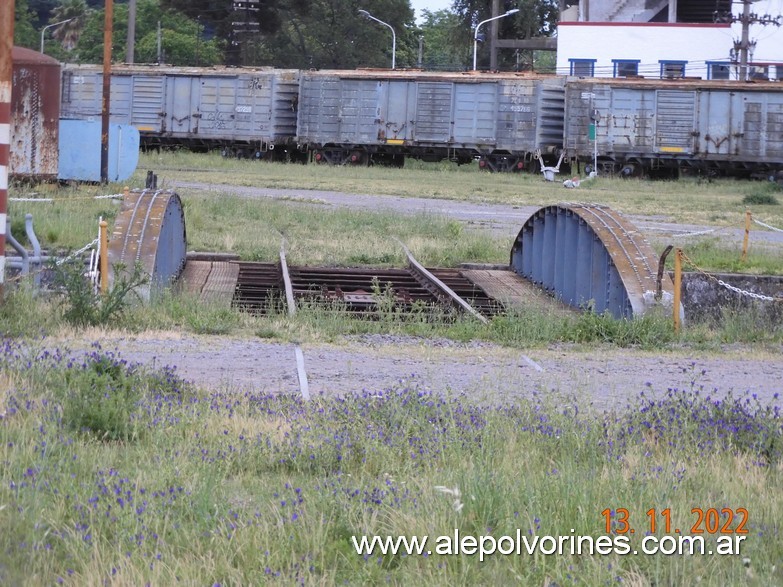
(626, 67)
(758, 72)
(718, 70)
(672, 69)
(582, 67)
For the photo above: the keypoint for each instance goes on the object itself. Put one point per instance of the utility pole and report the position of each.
(745, 40)
(105, 109)
(130, 44)
(494, 27)
(6, 86)
(743, 46)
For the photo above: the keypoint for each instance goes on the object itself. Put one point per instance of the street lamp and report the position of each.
(366, 14)
(475, 33)
(48, 26)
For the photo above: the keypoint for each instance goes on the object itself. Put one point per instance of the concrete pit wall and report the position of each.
(705, 300)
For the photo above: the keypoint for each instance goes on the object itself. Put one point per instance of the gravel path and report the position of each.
(607, 377)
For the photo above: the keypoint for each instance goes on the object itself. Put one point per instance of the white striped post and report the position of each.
(6, 79)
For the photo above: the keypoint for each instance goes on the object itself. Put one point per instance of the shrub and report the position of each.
(84, 306)
(101, 394)
(763, 195)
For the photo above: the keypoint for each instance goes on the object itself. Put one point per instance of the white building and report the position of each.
(668, 38)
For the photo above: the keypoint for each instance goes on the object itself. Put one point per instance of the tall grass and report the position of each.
(688, 200)
(236, 487)
(319, 233)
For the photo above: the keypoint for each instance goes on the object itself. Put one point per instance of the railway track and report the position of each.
(259, 288)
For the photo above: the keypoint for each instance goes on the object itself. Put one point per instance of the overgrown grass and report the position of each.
(688, 200)
(26, 316)
(235, 487)
(319, 233)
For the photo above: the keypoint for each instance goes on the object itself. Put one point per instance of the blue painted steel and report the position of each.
(549, 251)
(584, 251)
(569, 266)
(559, 252)
(599, 270)
(588, 256)
(172, 245)
(80, 150)
(535, 271)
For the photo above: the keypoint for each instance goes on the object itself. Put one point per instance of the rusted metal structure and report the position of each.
(260, 287)
(149, 232)
(35, 115)
(589, 256)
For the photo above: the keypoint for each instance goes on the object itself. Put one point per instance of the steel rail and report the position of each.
(304, 385)
(429, 281)
(289, 290)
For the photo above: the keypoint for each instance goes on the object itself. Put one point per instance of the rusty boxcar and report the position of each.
(649, 127)
(249, 112)
(384, 116)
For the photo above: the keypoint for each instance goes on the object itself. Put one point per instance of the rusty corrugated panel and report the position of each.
(149, 231)
(35, 115)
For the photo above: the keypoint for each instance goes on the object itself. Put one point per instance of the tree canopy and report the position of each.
(299, 34)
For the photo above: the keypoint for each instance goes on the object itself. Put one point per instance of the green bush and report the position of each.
(99, 398)
(763, 195)
(83, 306)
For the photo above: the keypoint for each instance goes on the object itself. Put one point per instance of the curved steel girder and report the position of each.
(150, 231)
(589, 256)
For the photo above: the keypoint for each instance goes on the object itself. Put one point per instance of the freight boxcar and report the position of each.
(368, 116)
(663, 127)
(247, 112)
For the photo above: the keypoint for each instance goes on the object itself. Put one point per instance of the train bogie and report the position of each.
(358, 117)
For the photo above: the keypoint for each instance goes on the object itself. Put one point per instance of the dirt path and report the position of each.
(608, 378)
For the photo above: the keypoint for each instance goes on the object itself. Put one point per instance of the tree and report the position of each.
(442, 33)
(24, 31)
(183, 40)
(332, 34)
(534, 19)
(68, 33)
(310, 34)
